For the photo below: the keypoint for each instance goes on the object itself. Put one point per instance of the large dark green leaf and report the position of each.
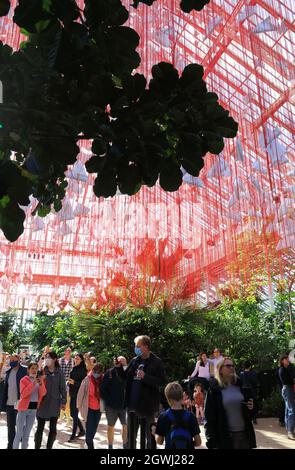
(134, 86)
(188, 5)
(105, 184)
(193, 165)
(165, 78)
(17, 184)
(122, 42)
(150, 163)
(12, 221)
(67, 151)
(129, 179)
(211, 97)
(192, 73)
(65, 10)
(227, 127)
(105, 12)
(4, 7)
(95, 164)
(214, 141)
(99, 147)
(146, 2)
(215, 111)
(5, 54)
(30, 12)
(170, 177)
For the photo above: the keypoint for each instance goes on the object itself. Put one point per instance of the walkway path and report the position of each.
(268, 433)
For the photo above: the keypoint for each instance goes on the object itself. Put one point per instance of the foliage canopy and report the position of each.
(72, 79)
(241, 328)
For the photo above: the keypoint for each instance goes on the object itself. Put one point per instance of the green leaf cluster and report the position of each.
(244, 329)
(72, 79)
(12, 333)
(186, 5)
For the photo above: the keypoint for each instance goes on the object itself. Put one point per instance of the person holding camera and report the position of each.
(77, 375)
(32, 391)
(41, 358)
(229, 411)
(90, 361)
(54, 400)
(25, 358)
(112, 391)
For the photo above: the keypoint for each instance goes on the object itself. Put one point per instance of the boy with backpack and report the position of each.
(177, 426)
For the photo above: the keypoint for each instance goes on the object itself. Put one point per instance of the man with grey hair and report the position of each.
(145, 374)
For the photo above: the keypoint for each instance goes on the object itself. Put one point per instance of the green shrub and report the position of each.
(270, 406)
(240, 328)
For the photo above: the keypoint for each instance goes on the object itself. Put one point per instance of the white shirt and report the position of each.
(203, 372)
(216, 361)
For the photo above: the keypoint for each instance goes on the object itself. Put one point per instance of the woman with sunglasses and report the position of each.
(228, 411)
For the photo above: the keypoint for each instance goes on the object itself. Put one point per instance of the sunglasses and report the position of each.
(229, 366)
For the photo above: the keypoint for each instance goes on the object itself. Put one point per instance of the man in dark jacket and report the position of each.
(287, 377)
(112, 390)
(77, 375)
(249, 378)
(11, 395)
(145, 374)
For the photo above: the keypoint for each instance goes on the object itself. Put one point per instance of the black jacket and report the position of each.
(216, 425)
(22, 372)
(149, 397)
(287, 375)
(112, 388)
(78, 374)
(249, 378)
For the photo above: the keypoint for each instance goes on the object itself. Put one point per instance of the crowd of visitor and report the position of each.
(76, 387)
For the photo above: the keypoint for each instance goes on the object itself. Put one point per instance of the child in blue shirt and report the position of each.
(178, 427)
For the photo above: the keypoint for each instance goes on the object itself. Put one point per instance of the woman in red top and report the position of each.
(88, 402)
(32, 391)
